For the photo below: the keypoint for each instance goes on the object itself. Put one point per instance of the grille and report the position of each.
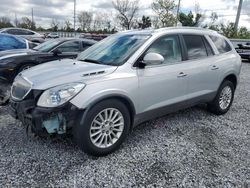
(20, 88)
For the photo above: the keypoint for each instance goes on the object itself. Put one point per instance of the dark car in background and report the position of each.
(24, 33)
(244, 51)
(9, 42)
(93, 36)
(14, 61)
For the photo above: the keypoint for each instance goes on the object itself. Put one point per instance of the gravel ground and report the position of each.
(190, 148)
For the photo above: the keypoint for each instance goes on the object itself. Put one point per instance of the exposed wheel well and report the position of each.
(25, 64)
(232, 78)
(126, 101)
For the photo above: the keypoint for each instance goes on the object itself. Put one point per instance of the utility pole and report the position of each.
(178, 10)
(16, 21)
(32, 19)
(238, 16)
(75, 17)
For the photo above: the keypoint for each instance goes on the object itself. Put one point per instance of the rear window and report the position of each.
(221, 44)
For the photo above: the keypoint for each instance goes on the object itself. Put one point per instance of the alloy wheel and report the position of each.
(225, 97)
(106, 128)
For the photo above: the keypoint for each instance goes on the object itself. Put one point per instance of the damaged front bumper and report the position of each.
(59, 120)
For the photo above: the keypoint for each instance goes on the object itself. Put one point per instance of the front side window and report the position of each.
(114, 50)
(13, 31)
(27, 32)
(168, 47)
(221, 44)
(47, 46)
(195, 47)
(73, 46)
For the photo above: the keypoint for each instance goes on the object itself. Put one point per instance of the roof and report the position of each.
(74, 39)
(166, 29)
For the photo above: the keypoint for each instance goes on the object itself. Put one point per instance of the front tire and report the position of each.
(105, 127)
(224, 98)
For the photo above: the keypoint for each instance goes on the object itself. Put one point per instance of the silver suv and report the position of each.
(124, 80)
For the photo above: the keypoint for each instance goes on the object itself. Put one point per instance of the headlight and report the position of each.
(59, 95)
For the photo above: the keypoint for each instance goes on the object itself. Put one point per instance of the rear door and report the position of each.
(203, 69)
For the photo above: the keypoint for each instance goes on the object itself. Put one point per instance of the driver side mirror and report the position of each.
(56, 52)
(153, 59)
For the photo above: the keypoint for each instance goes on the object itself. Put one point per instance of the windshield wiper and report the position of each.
(92, 61)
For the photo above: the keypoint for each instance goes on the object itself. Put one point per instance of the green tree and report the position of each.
(228, 30)
(145, 22)
(243, 33)
(190, 19)
(40, 28)
(165, 11)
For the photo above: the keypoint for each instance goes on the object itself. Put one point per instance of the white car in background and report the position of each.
(25, 33)
(53, 35)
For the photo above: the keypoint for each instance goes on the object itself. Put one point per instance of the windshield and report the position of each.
(114, 50)
(47, 46)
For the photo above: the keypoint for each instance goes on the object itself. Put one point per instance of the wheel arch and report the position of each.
(124, 99)
(232, 78)
(21, 64)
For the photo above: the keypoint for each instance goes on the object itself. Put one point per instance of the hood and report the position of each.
(15, 53)
(64, 71)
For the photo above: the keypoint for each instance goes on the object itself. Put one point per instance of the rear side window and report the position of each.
(221, 44)
(71, 46)
(209, 49)
(195, 47)
(86, 45)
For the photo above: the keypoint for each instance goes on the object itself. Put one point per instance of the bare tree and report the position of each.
(67, 26)
(102, 21)
(127, 10)
(54, 24)
(213, 17)
(85, 20)
(5, 22)
(26, 23)
(165, 11)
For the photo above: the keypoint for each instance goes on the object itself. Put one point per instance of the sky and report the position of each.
(45, 10)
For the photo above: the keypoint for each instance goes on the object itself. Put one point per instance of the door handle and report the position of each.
(181, 75)
(214, 67)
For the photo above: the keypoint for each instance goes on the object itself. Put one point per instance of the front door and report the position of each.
(165, 84)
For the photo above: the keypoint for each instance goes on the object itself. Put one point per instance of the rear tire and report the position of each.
(105, 127)
(224, 98)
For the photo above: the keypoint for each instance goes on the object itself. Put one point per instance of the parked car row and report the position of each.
(122, 81)
(12, 62)
(244, 51)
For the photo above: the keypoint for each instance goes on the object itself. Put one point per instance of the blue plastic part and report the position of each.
(56, 124)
